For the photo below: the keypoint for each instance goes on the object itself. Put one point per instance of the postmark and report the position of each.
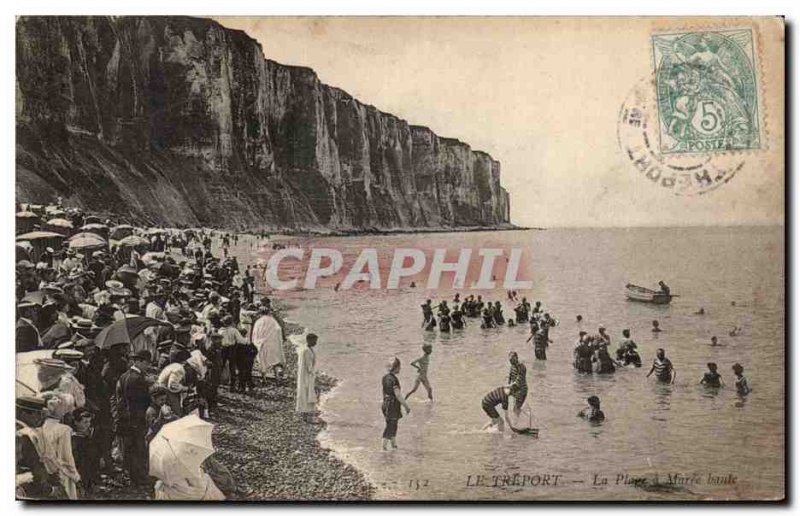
(707, 91)
(683, 174)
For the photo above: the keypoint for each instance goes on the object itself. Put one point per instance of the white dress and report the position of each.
(306, 375)
(55, 450)
(268, 339)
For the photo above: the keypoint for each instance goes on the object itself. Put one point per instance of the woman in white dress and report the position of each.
(306, 404)
(267, 337)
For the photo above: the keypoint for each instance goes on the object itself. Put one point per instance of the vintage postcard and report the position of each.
(508, 259)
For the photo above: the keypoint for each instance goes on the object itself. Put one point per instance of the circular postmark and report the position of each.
(680, 174)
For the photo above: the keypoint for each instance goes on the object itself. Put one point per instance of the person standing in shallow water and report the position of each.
(393, 401)
(712, 378)
(656, 328)
(306, 400)
(495, 397)
(421, 365)
(662, 367)
(427, 313)
(742, 386)
(592, 413)
(518, 375)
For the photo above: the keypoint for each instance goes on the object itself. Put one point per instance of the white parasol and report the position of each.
(179, 448)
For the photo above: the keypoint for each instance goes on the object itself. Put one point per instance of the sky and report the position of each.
(543, 97)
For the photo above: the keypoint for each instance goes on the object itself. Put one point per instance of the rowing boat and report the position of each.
(646, 295)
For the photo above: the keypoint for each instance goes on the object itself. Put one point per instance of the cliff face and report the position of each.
(178, 120)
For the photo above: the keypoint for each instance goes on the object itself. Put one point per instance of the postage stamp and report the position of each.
(707, 93)
(682, 174)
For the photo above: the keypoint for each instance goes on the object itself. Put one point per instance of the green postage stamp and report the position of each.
(706, 91)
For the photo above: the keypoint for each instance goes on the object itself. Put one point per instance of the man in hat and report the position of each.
(231, 340)
(163, 348)
(210, 384)
(155, 308)
(70, 262)
(69, 383)
(118, 295)
(235, 306)
(97, 266)
(88, 369)
(213, 304)
(159, 412)
(180, 348)
(42, 485)
(47, 256)
(60, 331)
(116, 364)
(27, 335)
(83, 328)
(133, 399)
(104, 314)
(84, 448)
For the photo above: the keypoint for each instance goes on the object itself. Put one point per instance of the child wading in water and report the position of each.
(421, 365)
(712, 378)
(742, 387)
(592, 412)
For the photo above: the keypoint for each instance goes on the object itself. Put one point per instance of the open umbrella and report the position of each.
(98, 229)
(60, 223)
(86, 241)
(134, 241)
(179, 448)
(38, 235)
(41, 240)
(30, 368)
(125, 330)
(92, 219)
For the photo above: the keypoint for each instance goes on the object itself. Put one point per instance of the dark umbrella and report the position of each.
(125, 330)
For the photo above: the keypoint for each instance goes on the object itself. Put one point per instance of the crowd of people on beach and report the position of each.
(591, 355)
(126, 333)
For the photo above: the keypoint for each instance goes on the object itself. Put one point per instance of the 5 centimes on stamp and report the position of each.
(683, 174)
(706, 90)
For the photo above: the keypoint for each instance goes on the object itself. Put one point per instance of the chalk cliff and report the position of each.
(180, 121)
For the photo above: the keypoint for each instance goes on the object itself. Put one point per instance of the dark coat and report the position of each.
(133, 398)
(27, 337)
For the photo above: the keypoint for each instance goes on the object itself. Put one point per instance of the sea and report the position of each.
(658, 442)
